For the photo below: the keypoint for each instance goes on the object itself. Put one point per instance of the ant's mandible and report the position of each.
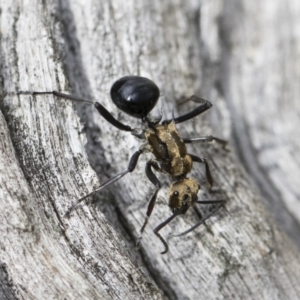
(137, 96)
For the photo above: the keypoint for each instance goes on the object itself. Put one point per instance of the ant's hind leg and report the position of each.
(100, 108)
(131, 166)
(205, 105)
(205, 139)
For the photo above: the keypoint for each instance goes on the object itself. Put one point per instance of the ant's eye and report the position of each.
(135, 95)
(175, 194)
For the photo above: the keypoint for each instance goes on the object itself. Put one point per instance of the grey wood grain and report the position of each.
(229, 52)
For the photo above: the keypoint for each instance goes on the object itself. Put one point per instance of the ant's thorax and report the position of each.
(169, 150)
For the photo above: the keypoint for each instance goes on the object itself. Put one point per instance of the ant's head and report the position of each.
(135, 95)
(183, 194)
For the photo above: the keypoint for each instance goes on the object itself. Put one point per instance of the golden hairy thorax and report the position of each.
(169, 149)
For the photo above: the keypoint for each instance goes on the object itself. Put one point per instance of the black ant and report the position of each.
(137, 96)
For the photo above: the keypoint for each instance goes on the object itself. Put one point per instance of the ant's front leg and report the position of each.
(101, 109)
(207, 170)
(131, 166)
(151, 176)
(204, 106)
(205, 139)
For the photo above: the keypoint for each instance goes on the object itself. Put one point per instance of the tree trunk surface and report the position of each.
(243, 56)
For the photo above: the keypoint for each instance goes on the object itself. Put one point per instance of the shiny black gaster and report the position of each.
(135, 95)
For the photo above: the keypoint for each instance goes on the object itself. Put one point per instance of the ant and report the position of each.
(137, 96)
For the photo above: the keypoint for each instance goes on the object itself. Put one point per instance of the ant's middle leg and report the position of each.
(131, 166)
(205, 105)
(205, 139)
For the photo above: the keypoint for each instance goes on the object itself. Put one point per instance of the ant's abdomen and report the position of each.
(169, 148)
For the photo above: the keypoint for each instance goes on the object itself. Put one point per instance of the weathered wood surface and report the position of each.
(240, 55)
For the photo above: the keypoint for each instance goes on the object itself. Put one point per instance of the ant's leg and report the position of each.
(211, 201)
(193, 98)
(205, 105)
(101, 109)
(205, 218)
(205, 139)
(203, 161)
(131, 166)
(109, 118)
(151, 176)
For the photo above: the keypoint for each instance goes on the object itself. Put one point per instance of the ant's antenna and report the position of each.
(200, 222)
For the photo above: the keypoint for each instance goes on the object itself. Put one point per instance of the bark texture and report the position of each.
(243, 56)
